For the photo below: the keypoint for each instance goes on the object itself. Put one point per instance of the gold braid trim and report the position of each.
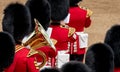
(54, 41)
(18, 47)
(89, 12)
(71, 31)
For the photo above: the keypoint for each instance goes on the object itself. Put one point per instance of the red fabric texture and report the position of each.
(61, 35)
(117, 70)
(22, 63)
(78, 19)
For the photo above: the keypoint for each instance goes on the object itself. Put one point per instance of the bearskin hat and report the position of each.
(16, 20)
(75, 66)
(59, 9)
(50, 70)
(100, 58)
(7, 50)
(74, 2)
(40, 9)
(113, 40)
(112, 35)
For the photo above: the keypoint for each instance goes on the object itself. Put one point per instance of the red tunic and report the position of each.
(117, 70)
(79, 20)
(22, 63)
(61, 35)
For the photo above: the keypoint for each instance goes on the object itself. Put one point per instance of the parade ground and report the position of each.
(105, 14)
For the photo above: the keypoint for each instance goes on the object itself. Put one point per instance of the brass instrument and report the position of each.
(37, 39)
(42, 54)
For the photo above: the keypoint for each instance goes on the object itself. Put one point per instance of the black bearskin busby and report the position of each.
(50, 70)
(59, 9)
(113, 40)
(100, 58)
(75, 66)
(40, 9)
(74, 2)
(17, 20)
(7, 50)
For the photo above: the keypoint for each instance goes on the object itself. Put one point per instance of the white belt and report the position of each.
(79, 33)
(83, 39)
(62, 52)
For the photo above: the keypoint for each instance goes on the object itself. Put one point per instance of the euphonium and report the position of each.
(37, 39)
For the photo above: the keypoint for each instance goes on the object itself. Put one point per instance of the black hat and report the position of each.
(40, 9)
(75, 66)
(100, 58)
(50, 70)
(7, 50)
(16, 20)
(59, 9)
(113, 35)
(74, 2)
(113, 40)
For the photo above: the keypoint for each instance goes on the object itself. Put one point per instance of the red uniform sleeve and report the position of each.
(49, 52)
(88, 22)
(31, 66)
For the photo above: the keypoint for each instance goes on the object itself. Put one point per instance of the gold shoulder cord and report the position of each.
(71, 31)
(89, 12)
(18, 47)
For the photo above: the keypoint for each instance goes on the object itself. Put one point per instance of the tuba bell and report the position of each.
(37, 39)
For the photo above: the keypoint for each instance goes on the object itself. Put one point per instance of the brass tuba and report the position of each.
(37, 39)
